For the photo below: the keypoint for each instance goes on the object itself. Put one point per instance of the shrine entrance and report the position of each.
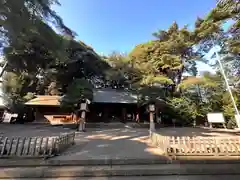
(112, 112)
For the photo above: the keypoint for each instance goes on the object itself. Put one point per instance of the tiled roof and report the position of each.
(45, 100)
(114, 96)
(99, 96)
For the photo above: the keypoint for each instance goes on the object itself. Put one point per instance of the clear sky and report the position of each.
(119, 25)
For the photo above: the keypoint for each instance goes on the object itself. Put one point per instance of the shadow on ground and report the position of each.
(112, 144)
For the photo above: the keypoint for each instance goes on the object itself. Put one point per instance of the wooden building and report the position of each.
(108, 105)
(47, 108)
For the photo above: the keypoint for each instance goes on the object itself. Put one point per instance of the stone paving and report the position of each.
(127, 143)
(111, 144)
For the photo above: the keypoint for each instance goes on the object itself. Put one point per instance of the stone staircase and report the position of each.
(115, 168)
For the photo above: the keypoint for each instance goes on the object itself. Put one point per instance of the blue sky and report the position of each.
(119, 25)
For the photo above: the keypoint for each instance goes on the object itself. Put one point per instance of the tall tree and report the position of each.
(16, 16)
(164, 60)
(122, 73)
(45, 61)
(210, 31)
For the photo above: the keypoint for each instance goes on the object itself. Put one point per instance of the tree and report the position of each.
(78, 90)
(122, 73)
(47, 62)
(210, 33)
(49, 72)
(30, 45)
(214, 97)
(211, 30)
(163, 61)
(17, 16)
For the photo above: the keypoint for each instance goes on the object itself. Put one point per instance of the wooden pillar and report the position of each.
(137, 117)
(105, 114)
(158, 117)
(124, 114)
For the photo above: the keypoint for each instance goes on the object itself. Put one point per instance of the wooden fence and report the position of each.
(197, 146)
(35, 146)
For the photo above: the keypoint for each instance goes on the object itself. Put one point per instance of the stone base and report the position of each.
(116, 170)
(111, 162)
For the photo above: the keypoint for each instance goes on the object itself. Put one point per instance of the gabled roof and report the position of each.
(45, 100)
(114, 96)
(99, 96)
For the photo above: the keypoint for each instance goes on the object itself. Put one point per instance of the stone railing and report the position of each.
(35, 147)
(197, 146)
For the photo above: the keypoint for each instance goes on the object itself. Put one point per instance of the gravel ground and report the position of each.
(33, 130)
(30, 130)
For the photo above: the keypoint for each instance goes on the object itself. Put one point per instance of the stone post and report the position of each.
(151, 117)
(82, 121)
(152, 124)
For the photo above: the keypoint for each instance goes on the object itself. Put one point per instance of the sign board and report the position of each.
(237, 118)
(215, 118)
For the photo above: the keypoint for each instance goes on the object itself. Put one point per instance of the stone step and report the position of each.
(117, 170)
(113, 125)
(173, 177)
(111, 162)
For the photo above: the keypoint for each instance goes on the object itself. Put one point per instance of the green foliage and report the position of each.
(78, 90)
(190, 82)
(184, 108)
(17, 16)
(150, 80)
(122, 72)
(15, 90)
(164, 60)
(39, 60)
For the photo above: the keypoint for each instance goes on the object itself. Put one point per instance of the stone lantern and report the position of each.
(83, 109)
(151, 109)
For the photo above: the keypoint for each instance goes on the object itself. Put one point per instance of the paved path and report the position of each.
(111, 144)
(125, 143)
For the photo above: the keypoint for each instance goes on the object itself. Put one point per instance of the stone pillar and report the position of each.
(152, 124)
(82, 121)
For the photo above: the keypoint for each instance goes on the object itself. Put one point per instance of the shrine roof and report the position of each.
(99, 96)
